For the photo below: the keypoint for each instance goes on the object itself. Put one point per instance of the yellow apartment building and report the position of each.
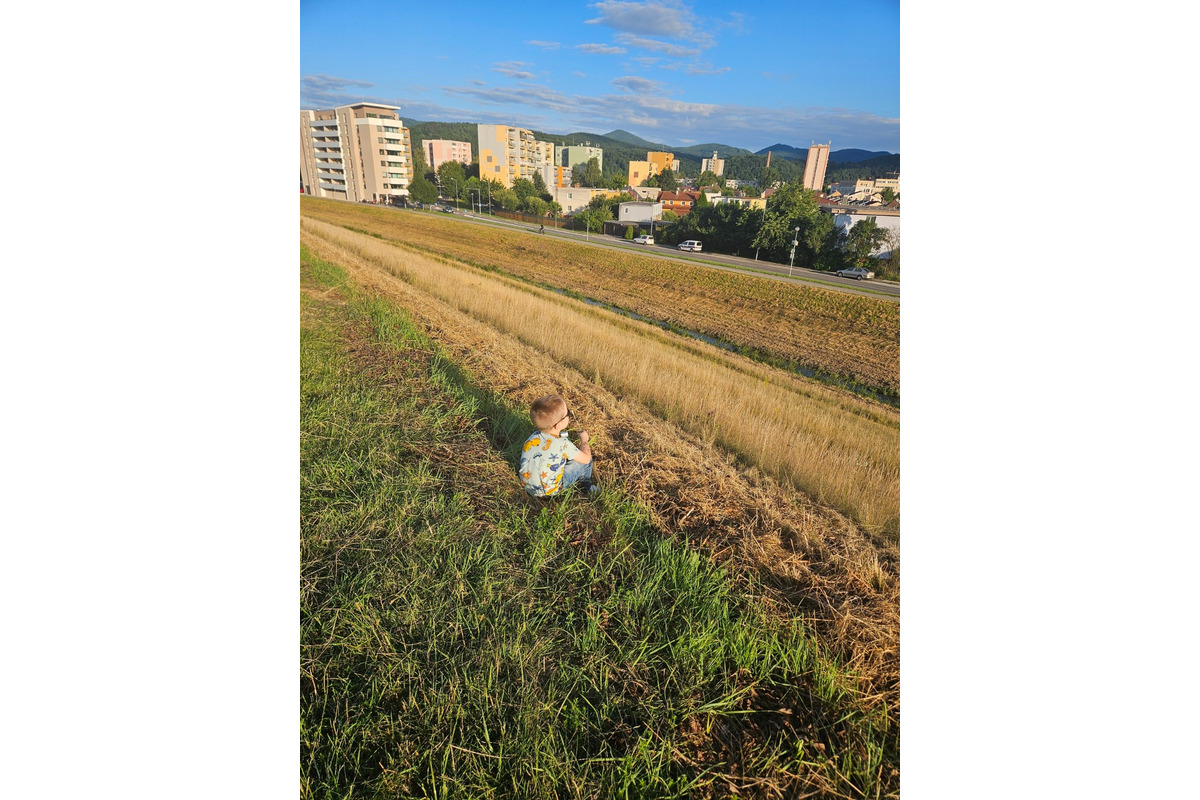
(507, 153)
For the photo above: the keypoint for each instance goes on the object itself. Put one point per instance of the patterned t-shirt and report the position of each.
(543, 460)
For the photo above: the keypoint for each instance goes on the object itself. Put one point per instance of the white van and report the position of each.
(690, 244)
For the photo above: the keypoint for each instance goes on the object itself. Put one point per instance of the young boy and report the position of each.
(549, 461)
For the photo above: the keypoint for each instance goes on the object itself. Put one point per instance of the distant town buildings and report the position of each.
(357, 152)
(507, 153)
(439, 151)
(815, 165)
(714, 165)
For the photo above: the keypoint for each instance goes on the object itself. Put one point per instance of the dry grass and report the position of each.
(841, 450)
(813, 561)
(854, 336)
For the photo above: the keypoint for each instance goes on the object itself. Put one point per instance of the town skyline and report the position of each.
(683, 72)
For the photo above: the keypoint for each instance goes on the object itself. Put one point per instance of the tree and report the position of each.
(534, 205)
(577, 175)
(422, 190)
(866, 237)
(709, 178)
(451, 171)
(591, 172)
(768, 177)
(524, 188)
(539, 185)
(889, 194)
(594, 218)
(790, 208)
(667, 181)
(506, 199)
(619, 180)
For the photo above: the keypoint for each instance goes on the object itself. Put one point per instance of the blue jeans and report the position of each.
(575, 472)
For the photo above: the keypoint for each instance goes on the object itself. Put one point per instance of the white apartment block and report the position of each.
(439, 151)
(507, 153)
(714, 165)
(358, 152)
(815, 166)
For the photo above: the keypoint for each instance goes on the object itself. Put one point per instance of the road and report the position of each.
(888, 290)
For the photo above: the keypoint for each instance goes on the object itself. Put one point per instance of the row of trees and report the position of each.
(792, 214)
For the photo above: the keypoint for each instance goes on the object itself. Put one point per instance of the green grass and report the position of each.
(460, 640)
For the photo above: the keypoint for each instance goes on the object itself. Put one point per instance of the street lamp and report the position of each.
(795, 241)
(488, 186)
(452, 180)
(476, 191)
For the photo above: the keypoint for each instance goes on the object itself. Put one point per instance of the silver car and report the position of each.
(857, 273)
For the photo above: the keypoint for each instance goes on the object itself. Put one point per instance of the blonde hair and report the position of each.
(547, 411)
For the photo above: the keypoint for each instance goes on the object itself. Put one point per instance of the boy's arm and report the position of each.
(584, 456)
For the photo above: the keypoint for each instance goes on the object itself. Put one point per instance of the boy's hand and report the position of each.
(583, 437)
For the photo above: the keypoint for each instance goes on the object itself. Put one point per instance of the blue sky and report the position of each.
(680, 72)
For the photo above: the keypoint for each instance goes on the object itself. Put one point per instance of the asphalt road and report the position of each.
(767, 269)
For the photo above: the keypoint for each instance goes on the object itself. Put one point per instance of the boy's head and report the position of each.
(547, 412)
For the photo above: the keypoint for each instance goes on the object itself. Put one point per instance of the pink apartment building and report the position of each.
(438, 151)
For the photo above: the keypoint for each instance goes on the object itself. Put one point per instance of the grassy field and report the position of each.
(459, 639)
(838, 448)
(837, 333)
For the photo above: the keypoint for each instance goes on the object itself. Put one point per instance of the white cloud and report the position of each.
(707, 69)
(636, 85)
(669, 18)
(514, 69)
(545, 45)
(655, 46)
(328, 83)
(600, 49)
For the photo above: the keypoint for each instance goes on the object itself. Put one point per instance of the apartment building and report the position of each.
(357, 152)
(815, 165)
(878, 185)
(571, 155)
(507, 153)
(714, 165)
(654, 164)
(439, 151)
(664, 161)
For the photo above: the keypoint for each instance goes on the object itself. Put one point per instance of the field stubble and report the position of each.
(852, 336)
(838, 448)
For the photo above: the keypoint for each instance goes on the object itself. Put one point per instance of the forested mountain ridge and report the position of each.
(620, 147)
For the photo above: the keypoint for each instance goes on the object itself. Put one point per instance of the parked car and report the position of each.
(691, 244)
(855, 272)
(447, 210)
(644, 239)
